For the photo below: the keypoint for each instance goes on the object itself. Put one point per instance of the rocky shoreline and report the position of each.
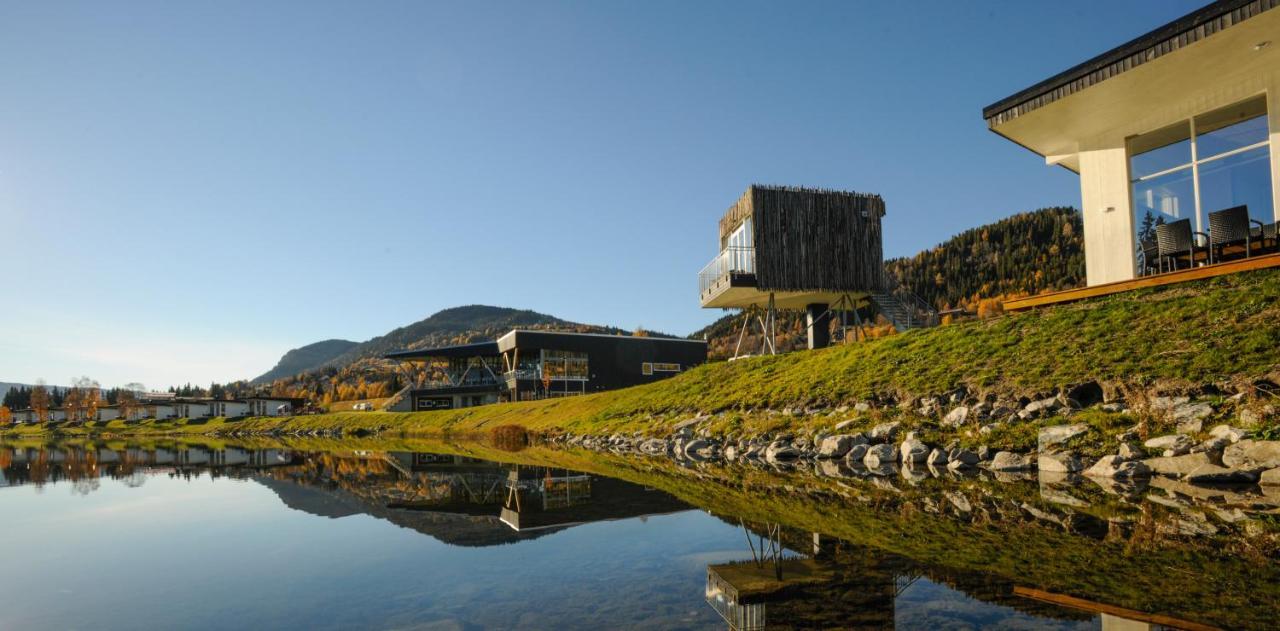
(1224, 453)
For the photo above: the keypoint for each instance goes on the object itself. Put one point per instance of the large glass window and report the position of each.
(565, 365)
(741, 237)
(1224, 154)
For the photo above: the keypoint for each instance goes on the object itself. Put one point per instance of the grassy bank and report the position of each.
(1220, 331)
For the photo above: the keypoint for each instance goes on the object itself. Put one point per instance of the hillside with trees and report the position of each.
(309, 357)
(1026, 254)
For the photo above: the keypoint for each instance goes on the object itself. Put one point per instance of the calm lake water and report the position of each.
(199, 538)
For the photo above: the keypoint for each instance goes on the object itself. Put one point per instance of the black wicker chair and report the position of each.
(1232, 227)
(1176, 244)
(1266, 235)
(1150, 253)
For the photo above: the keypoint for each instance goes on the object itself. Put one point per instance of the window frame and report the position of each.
(1196, 161)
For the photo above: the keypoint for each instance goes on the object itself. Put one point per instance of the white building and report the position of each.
(108, 413)
(1175, 125)
(162, 411)
(191, 409)
(228, 409)
(272, 406)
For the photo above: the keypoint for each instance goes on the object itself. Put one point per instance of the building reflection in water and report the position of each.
(834, 584)
(48, 465)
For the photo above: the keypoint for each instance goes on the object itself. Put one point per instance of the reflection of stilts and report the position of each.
(770, 547)
(903, 581)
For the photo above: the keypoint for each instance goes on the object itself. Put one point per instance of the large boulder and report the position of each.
(1213, 474)
(781, 451)
(1252, 455)
(913, 450)
(1036, 409)
(880, 454)
(1172, 444)
(885, 432)
(958, 458)
(956, 417)
(1058, 434)
(1178, 466)
(1270, 477)
(856, 454)
(1009, 461)
(937, 457)
(1115, 467)
(839, 445)
(1056, 462)
(1232, 434)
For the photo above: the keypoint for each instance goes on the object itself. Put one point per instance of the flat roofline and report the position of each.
(1175, 35)
(457, 350)
(608, 335)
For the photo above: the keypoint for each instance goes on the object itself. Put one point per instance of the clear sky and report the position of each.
(187, 190)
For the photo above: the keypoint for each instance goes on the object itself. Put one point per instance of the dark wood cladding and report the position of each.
(815, 240)
(1173, 36)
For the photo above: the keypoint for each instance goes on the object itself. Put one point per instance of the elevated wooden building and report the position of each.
(794, 248)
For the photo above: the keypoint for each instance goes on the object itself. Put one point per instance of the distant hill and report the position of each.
(1027, 253)
(307, 358)
(459, 325)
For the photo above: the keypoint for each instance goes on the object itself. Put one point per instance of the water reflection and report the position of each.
(833, 584)
(537, 546)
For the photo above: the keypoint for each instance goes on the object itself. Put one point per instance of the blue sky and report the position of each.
(187, 190)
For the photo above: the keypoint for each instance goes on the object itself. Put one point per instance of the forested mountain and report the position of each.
(459, 325)
(1027, 253)
(309, 357)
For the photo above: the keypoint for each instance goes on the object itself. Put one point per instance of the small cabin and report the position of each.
(802, 245)
(162, 411)
(792, 248)
(108, 412)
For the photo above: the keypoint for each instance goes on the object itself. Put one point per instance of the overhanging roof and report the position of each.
(584, 342)
(460, 350)
(1173, 36)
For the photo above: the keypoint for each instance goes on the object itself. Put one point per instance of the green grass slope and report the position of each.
(1215, 331)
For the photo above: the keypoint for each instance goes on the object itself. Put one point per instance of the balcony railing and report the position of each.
(731, 260)
(459, 383)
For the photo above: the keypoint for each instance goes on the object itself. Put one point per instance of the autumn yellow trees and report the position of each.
(6, 416)
(40, 402)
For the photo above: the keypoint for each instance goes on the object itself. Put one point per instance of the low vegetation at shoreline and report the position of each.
(1213, 338)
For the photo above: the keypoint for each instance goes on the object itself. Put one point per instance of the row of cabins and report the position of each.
(176, 408)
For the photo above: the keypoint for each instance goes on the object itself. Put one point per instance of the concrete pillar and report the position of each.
(819, 321)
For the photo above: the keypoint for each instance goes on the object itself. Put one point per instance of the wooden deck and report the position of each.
(1072, 602)
(1157, 280)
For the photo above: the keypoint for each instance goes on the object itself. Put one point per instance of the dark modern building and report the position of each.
(525, 365)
